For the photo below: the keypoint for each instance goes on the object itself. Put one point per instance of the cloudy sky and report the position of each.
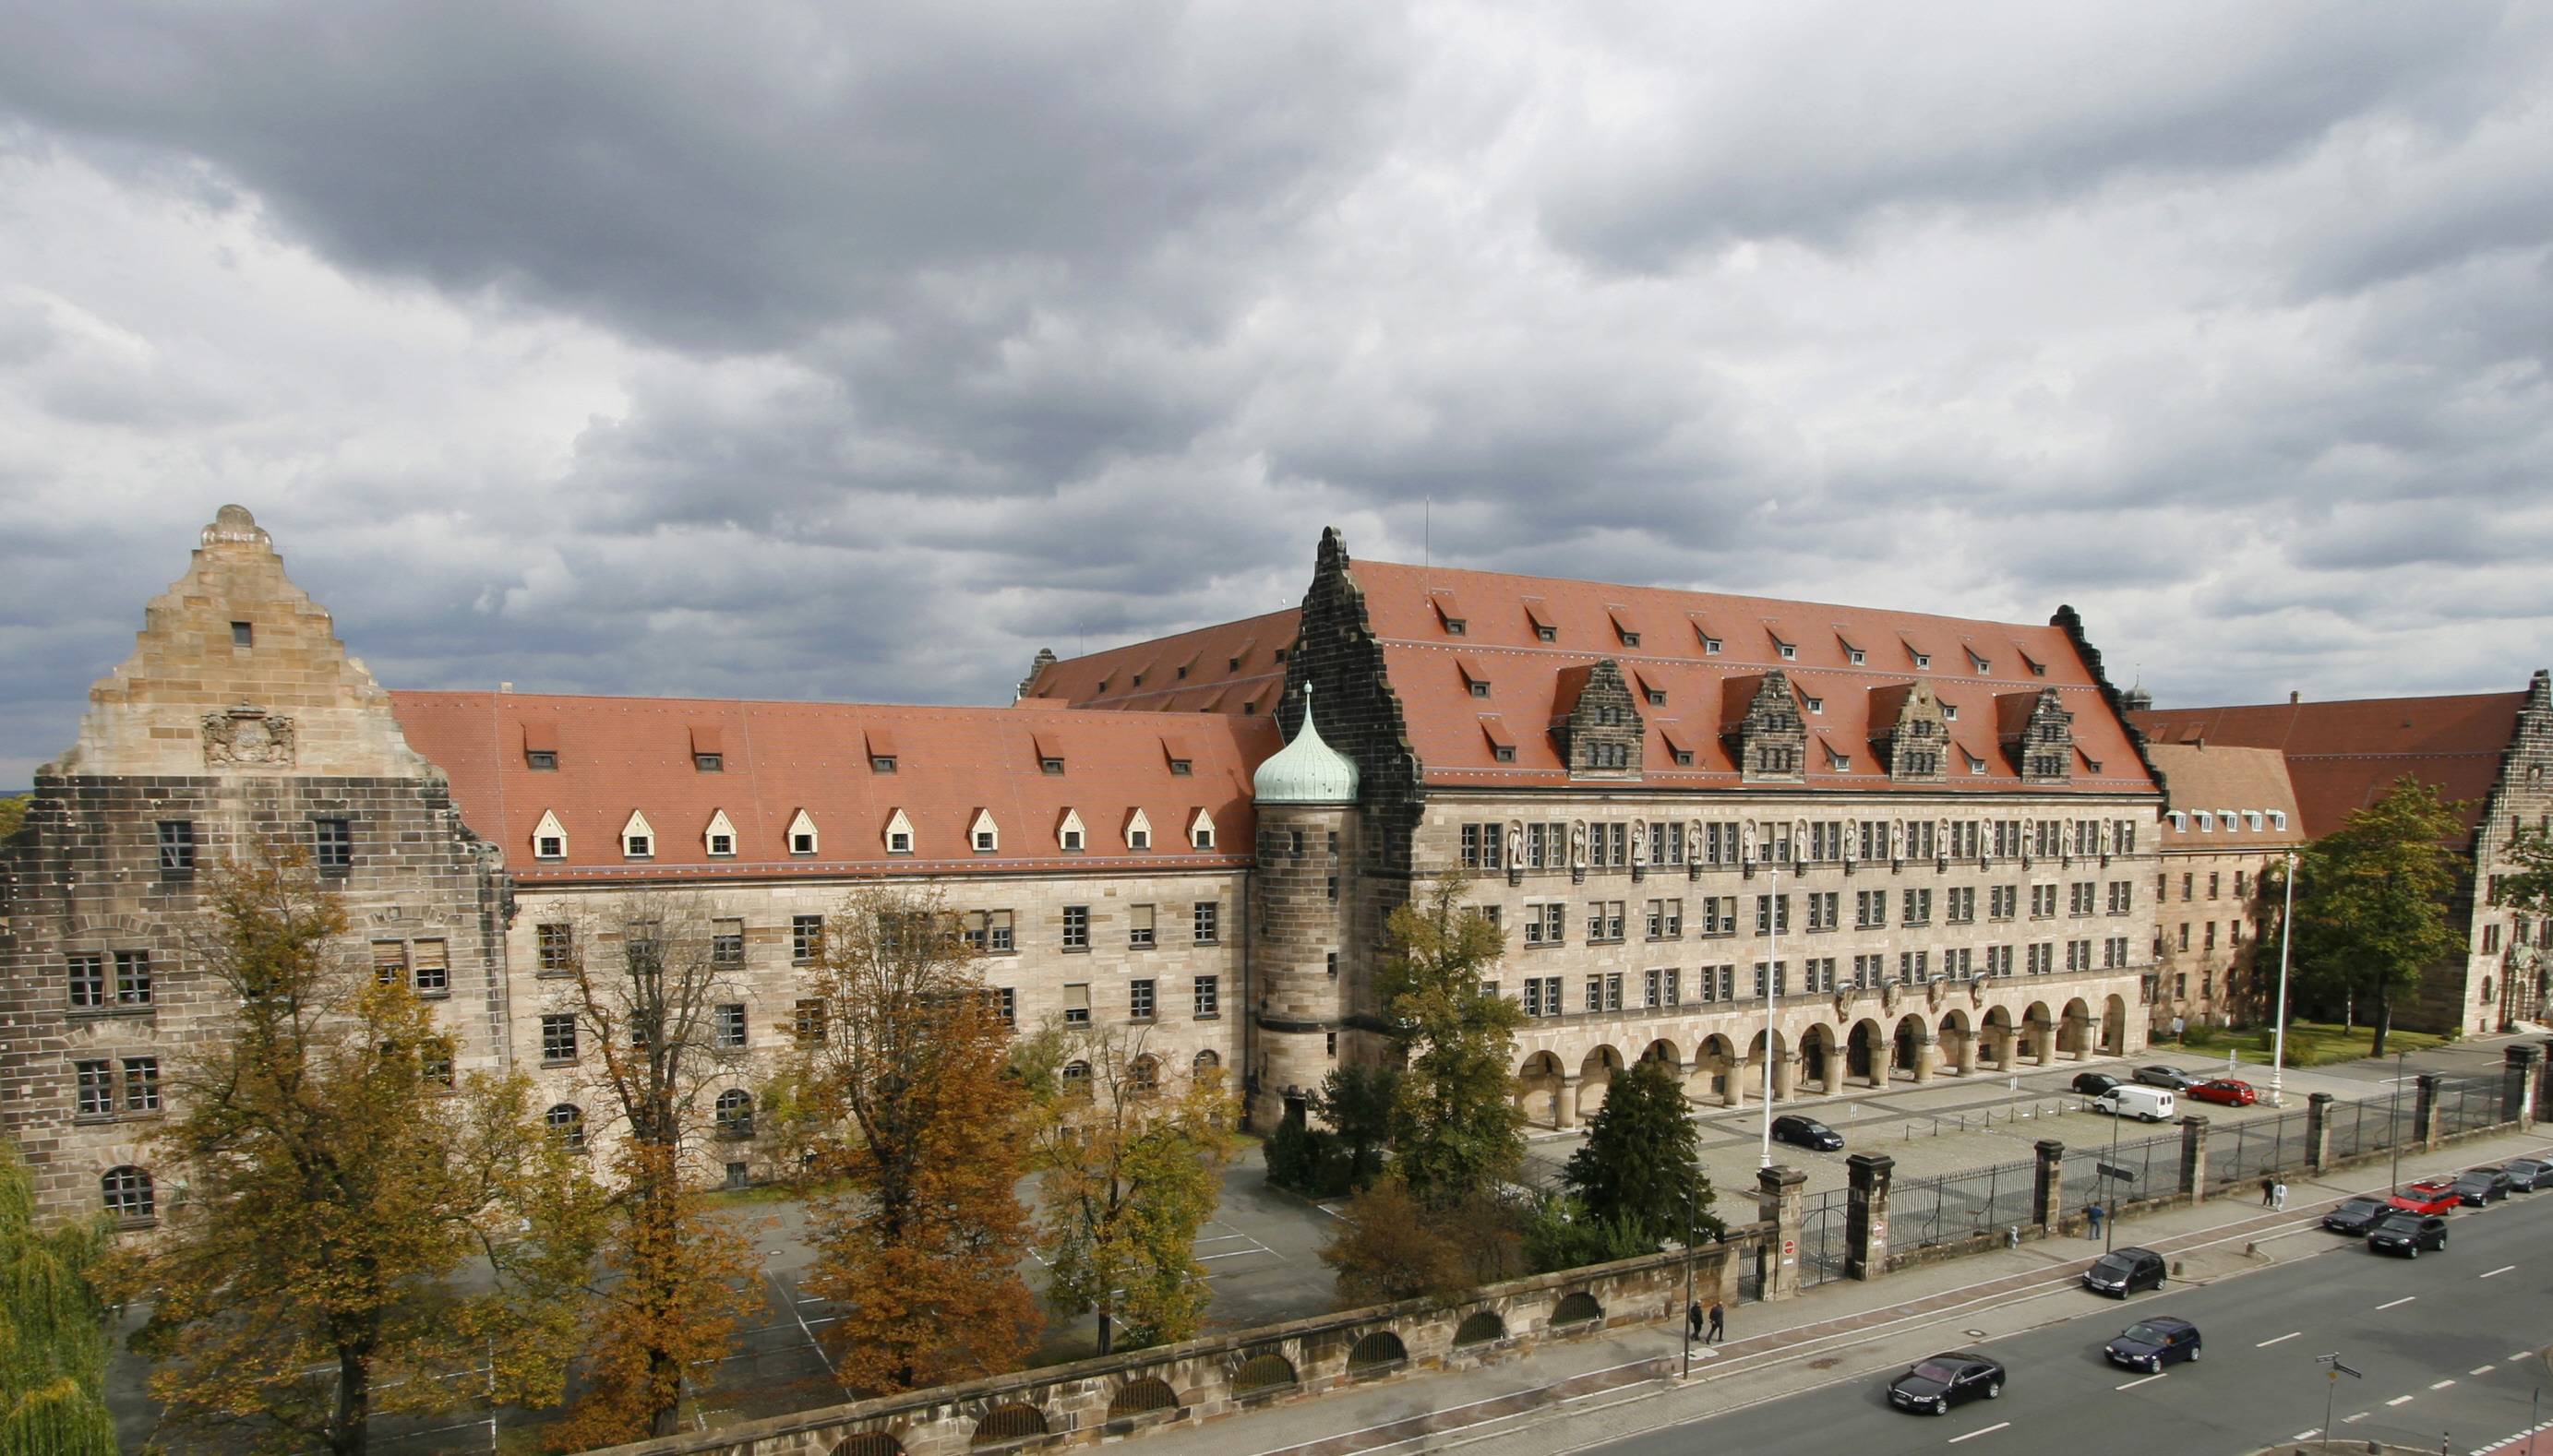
(859, 351)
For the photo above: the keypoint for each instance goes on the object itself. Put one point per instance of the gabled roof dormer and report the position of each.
(1200, 829)
(719, 837)
(550, 837)
(983, 836)
(801, 834)
(1069, 834)
(638, 838)
(1908, 732)
(1139, 830)
(1760, 714)
(898, 833)
(1599, 727)
(2037, 734)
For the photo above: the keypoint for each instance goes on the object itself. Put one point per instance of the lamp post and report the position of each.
(1689, 1301)
(1772, 968)
(2401, 1061)
(2286, 943)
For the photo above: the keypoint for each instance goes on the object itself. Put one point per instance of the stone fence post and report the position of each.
(2047, 1195)
(1780, 1191)
(2318, 1132)
(2424, 1112)
(2193, 1158)
(2525, 1070)
(1865, 1226)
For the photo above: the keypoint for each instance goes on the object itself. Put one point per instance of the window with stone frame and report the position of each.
(1546, 924)
(1826, 908)
(93, 1088)
(1076, 1004)
(1138, 927)
(729, 1029)
(1077, 927)
(430, 966)
(1869, 909)
(1139, 1001)
(1206, 998)
(1718, 914)
(87, 980)
(1205, 922)
(806, 1020)
(558, 1039)
(726, 942)
(1772, 915)
(1666, 919)
(1959, 906)
(128, 1195)
(177, 846)
(332, 844)
(133, 985)
(556, 949)
(2003, 901)
(806, 938)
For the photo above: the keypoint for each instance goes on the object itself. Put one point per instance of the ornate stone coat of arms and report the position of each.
(247, 735)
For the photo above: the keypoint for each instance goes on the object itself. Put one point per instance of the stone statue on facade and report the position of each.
(1746, 832)
(1578, 845)
(1639, 844)
(1515, 843)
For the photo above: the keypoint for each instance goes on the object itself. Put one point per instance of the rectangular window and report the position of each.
(1821, 973)
(87, 982)
(1826, 906)
(2184, 935)
(1652, 986)
(2211, 936)
(2002, 901)
(1910, 967)
(1869, 909)
(1960, 906)
(1956, 963)
(1918, 907)
(1781, 971)
(727, 1023)
(2123, 897)
(1605, 920)
(390, 962)
(1007, 1001)
(334, 840)
(1719, 915)
(2079, 897)
(1772, 915)
(807, 1019)
(1208, 1001)
(557, 949)
(1472, 845)
(1139, 1001)
(1998, 960)
(1076, 1004)
(558, 1038)
(806, 938)
(177, 846)
(1077, 927)
(2213, 882)
(2042, 958)
(96, 1088)
(1666, 919)
(430, 961)
(1867, 971)
(1139, 926)
(726, 942)
(133, 977)
(1206, 922)
(2186, 881)
(1546, 924)
(2043, 901)
(142, 1084)
(2114, 952)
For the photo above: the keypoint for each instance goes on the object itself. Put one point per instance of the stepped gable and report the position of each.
(1236, 668)
(1446, 634)
(2345, 755)
(618, 756)
(237, 674)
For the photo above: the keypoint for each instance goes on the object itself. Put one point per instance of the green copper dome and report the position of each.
(1307, 771)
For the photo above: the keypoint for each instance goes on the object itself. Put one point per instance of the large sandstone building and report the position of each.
(1933, 842)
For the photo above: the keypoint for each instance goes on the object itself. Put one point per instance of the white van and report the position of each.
(2128, 1099)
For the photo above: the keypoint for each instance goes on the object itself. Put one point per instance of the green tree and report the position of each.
(1561, 1232)
(1129, 1153)
(53, 1334)
(1641, 1165)
(13, 812)
(2373, 896)
(1357, 1103)
(1456, 1129)
(338, 1182)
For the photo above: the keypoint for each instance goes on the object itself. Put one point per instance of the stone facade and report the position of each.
(2505, 978)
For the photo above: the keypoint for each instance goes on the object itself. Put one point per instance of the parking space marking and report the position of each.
(2494, 1274)
(2405, 1300)
(2399, 1400)
(2306, 1435)
(2143, 1381)
(2289, 1336)
(2523, 1355)
(1981, 1431)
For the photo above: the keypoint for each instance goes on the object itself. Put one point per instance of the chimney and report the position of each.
(2294, 696)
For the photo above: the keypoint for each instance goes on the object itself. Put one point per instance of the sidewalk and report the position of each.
(1626, 1382)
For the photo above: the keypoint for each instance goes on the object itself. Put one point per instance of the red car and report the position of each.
(2224, 1089)
(2431, 1196)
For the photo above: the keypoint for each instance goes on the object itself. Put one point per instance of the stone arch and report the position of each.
(1539, 1084)
(1755, 1065)
(2077, 1036)
(869, 1443)
(1908, 1043)
(1715, 1069)
(1267, 1370)
(1822, 1060)
(1662, 1051)
(2114, 1026)
(1004, 1423)
(1138, 1395)
(1959, 1042)
(2038, 1033)
(1596, 1078)
(1866, 1054)
(1995, 1037)
(1480, 1328)
(1576, 1308)
(1381, 1347)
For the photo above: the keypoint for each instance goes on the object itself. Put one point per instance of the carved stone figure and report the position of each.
(1516, 845)
(1851, 843)
(247, 735)
(1942, 844)
(1747, 830)
(1578, 845)
(1693, 843)
(1639, 842)
(1799, 840)
(1896, 839)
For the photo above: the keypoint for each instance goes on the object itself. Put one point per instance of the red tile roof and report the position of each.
(2228, 784)
(616, 754)
(1970, 663)
(1236, 666)
(2344, 755)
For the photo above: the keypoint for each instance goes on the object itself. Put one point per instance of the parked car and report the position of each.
(2429, 1195)
(2406, 1234)
(2151, 1344)
(2094, 1083)
(2224, 1089)
(2171, 1078)
(1936, 1385)
(2123, 1272)
(1807, 1132)
(2356, 1216)
(2477, 1187)
(2154, 1104)
(2527, 1175)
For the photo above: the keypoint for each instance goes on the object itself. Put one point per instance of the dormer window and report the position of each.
(801, 834)
(1546, 634)
(1103, 690)
(2037, 669)
(1050, 766)
(2279, 820)
(1475, 677)
(899, 833)
(984, 834)
(1181, 768)
(1976, 765)
(1922, 659)
(709, 763)
(1951, 712)
(638, 838)
(1072, 839)
(540, 747)
(1068, 833)
(1138, 839)
(549, 838)
(1710, 647)
(2252, 820)
(880, 763)
(1504, 753)
(1813, 704)
(2180, 822)
(709, 750)
(719, 836)
(1201, 830)
(1854, 656)
(882, 752)
(1981, 665)
(1790, 652)
(541, 760)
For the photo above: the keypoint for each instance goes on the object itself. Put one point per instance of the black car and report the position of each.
(2094, 1083)
(2527, 1175)
(1808, 1132)
(2151, 1344)
(1936, 1385)
(2171, 1078)
(2123, 1272)
(2476, 1186)
(2406, 1233)
(2356, 1216)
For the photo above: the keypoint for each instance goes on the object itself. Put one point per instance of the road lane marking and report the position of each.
(2306, 1435)
(1986, 1431)
(2146, 1380)
(2399, 1400)
(2289, 1336)
(2442, 1385)
(2354, 1419)
(2482, 1369)
(2405, 1300)
(2523, 1355)
(2494, 1274)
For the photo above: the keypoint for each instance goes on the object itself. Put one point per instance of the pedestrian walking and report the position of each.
(1717, 1320)
(2278, 1197)
(2268, 1192)
(1693, 1320)
(2092, 1220)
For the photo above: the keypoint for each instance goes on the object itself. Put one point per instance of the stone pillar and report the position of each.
(1865, 1226)
(1968, 1053)
(2525, 1069)
(1785, 1078)
(1927, 1056)
(1565, 1107)
(1736, 1096)
(2424, 1112)
(2043, 1034)
(2193, 1158)
(2318, 1132)
(2047, 1191)
(1832, 1083)
(1779, 1189)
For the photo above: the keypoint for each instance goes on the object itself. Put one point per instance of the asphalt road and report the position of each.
(2447, 1346)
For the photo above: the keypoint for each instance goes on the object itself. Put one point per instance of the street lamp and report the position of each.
(2401, 1061)
(1772, 968)
(2286, 943)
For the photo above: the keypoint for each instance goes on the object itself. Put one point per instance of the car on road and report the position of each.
(2527, 1175)
(2354, 1216)
(2224, 1089)
(2406, 1234)
(1936, 1384)
(2094, 1083)
(2477, 1187)
(2428, 1196)
(2171, 1078)
(2152, 1104)
(2151, 1344)
(1807, 1132)
(2123, 1272)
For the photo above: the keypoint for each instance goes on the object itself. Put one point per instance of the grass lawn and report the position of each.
(2309, 1043)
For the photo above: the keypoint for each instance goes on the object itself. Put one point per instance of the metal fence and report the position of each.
(2239, 1152)
(1822, 1236)
(2469, 1103)
(2153, 1166)
(1942, 1210)
(2369, 1126)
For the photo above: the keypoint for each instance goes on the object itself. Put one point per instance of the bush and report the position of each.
(1308, 1161)
(1560, 1234)
(1389, 1246)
